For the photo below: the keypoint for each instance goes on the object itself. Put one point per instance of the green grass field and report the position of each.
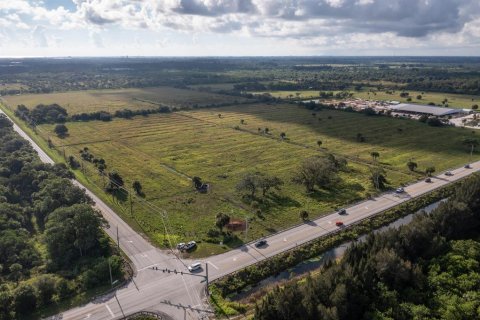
(111, 100)
(164, 151)
(459, 101)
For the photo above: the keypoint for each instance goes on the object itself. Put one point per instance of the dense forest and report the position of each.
(52, 245)
(438, 74)
(428, 269)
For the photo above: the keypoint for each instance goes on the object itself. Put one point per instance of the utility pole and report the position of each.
(110, 270)
(206, 270)
(118, 239)
(131, 203)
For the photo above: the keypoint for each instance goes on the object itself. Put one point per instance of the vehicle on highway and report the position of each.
(190, 245)
(339, 223)
(261, 243)
(342, 211)
(448, 173)
(428, 180)
(194, 266)
(181, 246)
(400, 190)
(467, 166)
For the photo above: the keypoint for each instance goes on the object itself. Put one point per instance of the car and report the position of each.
(428, 180)
(194, 266)
(339, 223)
(261, 243)
(400, 190)
(342, 211)
(448, 173)
(181, 246)
(190, 245)
(467, 166)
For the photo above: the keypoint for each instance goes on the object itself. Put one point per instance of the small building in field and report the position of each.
(418, 109)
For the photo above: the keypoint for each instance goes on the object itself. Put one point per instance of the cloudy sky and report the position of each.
(238, 27)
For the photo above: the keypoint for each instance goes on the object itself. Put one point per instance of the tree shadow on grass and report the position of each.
(273, 200)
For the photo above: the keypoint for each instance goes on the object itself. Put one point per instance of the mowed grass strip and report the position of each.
(163, 151)
(117, 99)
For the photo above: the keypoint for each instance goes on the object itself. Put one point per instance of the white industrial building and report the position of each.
(419, 109)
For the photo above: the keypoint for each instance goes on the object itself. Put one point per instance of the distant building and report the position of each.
(419, 109)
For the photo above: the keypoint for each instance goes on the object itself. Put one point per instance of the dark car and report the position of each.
(428, 180)
(448, 173)
(342, 211)
(467, 166)
(261, 243)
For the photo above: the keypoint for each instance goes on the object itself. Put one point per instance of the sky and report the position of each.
(239, 27)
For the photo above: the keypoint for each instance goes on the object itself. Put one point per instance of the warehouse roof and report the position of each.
(418, 108)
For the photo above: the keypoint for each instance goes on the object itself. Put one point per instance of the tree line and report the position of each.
(41, 208)
(428, 269)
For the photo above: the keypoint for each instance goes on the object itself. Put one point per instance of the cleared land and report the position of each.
(132, 98)
(460, 101)
(164, 151)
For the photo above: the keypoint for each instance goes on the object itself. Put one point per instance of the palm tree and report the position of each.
(472, 143)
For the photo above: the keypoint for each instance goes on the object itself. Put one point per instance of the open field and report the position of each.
(460, 101)
(111, 100)
(164, 151)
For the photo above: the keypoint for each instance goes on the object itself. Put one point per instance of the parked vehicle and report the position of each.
(261, 243)
(400, 190)
(339, 223)
(448, 173)
(467, 166)
(190, 245)
(428, 180)
(342, 211)
(181, 246)
(194, 266)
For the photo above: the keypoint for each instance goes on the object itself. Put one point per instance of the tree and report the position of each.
(319, 143)
(419, 97)
(71, 232)
(411, 165)
(375, 155)
(115, 181)
(137, 186)
(249, 183)
(429, 171)
(470, 142)
(61, 130)
(267, 182)
(315, 171)
(304, 215)
(197, 182)
(475, 107)
(266, 130)
(378, 177)
(221, 220)
(283, 135)
(24, 298)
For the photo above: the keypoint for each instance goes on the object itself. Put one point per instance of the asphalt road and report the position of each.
(181, 296)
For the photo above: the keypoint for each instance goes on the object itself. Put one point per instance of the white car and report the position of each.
(400, 190)
(181, 246)
(194, 266)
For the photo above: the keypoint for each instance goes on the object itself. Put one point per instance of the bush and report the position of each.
(25, 298)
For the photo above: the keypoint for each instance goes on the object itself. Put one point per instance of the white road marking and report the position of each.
(109, 310)
(234, 258)
(88, 316)
(329, 222)
(366, 207)
(212, 265)
(144, 255)
(285, 239)
(129, 241)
